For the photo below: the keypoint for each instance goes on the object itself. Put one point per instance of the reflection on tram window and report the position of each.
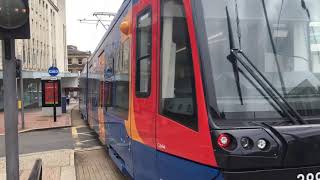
(178, 100)
(116, 87)
(288, 37)
(143, 65)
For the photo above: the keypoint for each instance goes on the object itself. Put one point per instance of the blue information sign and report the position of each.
(53, 71)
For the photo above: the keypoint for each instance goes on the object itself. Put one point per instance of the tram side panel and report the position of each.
(90, 102)
(93, 97)
(117, 53)
(102, 113)
(90, 105)
(178, 145)
(109, 92)
(130, 125)
(96, 97)
(181, 143)
(83, 95)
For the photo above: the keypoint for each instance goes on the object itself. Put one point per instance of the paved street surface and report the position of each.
(34, 119)
(40, 141)
(54, 146)
(67, 153)
(91, 160)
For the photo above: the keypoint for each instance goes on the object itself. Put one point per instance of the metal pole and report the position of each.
(10, 110)
(22, 100)
(87, 92)
(21, 86)
(54, 102)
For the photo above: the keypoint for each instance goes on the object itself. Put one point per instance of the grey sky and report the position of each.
(87, 36)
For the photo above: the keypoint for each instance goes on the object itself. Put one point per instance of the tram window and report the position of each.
(122, 95)
(126, 56)
(143, 63)
(178, 100)
(117, 89)
(108, 94)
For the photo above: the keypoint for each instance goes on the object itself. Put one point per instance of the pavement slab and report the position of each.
(92, 161)
(96, 165)
(57, 165)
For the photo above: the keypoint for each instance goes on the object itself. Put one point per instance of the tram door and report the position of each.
(182, 128)
(144, 90)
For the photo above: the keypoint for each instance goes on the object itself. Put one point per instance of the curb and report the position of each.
(41, 153)
(47, 128)
(40, 129)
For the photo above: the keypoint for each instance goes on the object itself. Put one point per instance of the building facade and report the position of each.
(76, 62)
(77, 59)
(47, 44)
(46, 47)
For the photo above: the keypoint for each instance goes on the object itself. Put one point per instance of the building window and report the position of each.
(69, 61)
(178, 99)
(143, 63)
(80, 61)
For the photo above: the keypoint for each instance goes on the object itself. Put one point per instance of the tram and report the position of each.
(208, 89)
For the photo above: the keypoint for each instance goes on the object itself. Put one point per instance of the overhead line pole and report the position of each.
(54, 102)
(10, 110)
(22, 100)
(14, 24)
(22, 88)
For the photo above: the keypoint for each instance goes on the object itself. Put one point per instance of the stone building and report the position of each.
(76, 62)
(46, 47)
(77, 59)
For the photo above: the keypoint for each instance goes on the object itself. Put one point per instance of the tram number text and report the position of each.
(309, 176)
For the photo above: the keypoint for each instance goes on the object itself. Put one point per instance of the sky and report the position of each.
(87, 36)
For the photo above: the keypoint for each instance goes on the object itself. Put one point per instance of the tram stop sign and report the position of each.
(53, 71)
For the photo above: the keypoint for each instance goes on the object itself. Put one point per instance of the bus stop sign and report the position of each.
(53, 71)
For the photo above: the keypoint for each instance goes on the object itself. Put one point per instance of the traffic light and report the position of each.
(14, 19)
(18, 68)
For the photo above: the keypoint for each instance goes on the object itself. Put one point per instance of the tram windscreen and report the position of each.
(281, 38)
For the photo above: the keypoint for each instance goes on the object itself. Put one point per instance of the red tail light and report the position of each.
(224, 140)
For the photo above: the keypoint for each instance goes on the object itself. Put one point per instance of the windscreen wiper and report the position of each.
(233, 60)
(304, 6)
(274, 50)
(257, 75)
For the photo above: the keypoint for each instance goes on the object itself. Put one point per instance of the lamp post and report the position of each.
(14, 24)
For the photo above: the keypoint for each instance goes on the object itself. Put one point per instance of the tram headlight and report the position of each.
(224, 140)
(262, 144)
(246, 142)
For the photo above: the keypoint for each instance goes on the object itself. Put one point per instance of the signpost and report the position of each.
(14, 24)
(21, 101)
(53, 72)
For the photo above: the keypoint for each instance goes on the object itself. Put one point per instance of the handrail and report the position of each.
(36, 173)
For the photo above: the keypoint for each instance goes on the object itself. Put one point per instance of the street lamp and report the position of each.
(14, 19)
(14, 24)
